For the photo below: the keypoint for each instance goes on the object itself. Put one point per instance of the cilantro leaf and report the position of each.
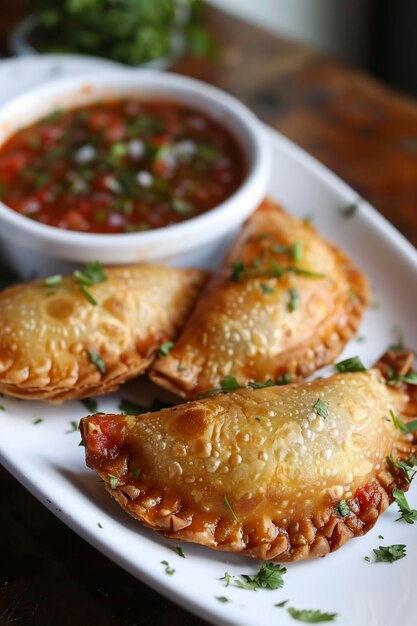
(269, 576)
(407, 467)
(113, 481)
(229, 383)
(389, 554)
(92, 274)
(165, 348)
(53, 281)
(222, 599)
(227, 578)
(322, 408)
(297, 251)
(349, 210)
(353, 364)
(407, 514)
(180, 552)
(74, 427)
(168, 569)
(294, 300)
(96, 360)
(90, 404)
(310, 616)
(132, 408)
(266, 289)
(342, 508)
(403, 427)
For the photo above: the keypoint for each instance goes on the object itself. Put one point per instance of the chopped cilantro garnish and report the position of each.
(279, 248)
(394, 379)
(165, 348)
(389, 554)
(407, 467)
(88, 295)
(380, 537)
(281, 605)
(266, 289)
(222, 599)
(229, 506)
(180, 552)
(227, 578)
(96, 360)
(353, 364)
(349, 210)
(398, 345)
(229, 383)
(168, 570)
(182, 207)
(113, 481)
(310, 616)
(92, 274)
(285, 379)
(99, 525)
(367, 559)
(269, 576)
(90, 404)
(74, 427)
(342, 508)
(53, 281)
(300, 272)
(294, 300)
(260, 385)
(407, 514)
(322, 408)
(238, 270)
(403, 427)
(277, 270)
(38, 421)
(131, 408)
(297, 252)
(136, 473)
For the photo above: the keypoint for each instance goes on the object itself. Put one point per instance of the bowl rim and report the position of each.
(258, 159)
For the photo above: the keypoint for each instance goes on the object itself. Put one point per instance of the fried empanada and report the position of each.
(60, 339)
(277, 473)
(284, 303)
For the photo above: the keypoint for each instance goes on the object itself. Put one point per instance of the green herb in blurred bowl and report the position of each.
(128, 31)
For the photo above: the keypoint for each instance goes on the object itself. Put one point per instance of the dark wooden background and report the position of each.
(365, 133)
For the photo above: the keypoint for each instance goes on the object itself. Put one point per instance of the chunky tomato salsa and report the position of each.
(120, 167)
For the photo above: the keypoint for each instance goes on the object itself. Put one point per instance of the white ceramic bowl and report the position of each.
(31, 247)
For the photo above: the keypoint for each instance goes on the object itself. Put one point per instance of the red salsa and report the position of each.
(120, 167)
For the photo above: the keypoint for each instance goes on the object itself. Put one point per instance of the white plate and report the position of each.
(48, 462)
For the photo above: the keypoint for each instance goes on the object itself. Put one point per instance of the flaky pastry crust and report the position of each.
(259, 472)
(255, 325)
(49, 334)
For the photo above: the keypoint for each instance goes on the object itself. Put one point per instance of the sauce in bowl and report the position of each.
(120, 167)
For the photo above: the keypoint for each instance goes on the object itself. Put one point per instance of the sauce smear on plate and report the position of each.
(120, 167)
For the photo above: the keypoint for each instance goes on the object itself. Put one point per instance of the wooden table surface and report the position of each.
(366, 134)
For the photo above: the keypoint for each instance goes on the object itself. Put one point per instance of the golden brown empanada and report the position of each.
(285, 302)
(56, 344)
(284, 472)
